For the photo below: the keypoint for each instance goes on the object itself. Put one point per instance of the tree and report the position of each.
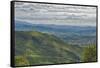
(89, 54)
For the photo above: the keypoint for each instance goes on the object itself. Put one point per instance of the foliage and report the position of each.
(89, 54)
(21, 61)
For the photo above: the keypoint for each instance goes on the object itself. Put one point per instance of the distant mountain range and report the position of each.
(20, 25)
(71, 34)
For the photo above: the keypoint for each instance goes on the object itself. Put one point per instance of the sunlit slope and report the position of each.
(35, 48)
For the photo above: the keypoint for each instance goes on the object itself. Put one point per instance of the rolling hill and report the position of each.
(34, 48)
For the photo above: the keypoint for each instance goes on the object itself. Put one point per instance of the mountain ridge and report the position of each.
(37, 44)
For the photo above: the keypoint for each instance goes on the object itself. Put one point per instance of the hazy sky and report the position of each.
(37, 13)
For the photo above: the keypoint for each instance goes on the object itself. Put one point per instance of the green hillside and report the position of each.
(33, 48)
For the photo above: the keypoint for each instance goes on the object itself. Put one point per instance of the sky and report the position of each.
(39, 13)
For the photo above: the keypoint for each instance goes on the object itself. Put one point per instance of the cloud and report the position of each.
(55, 14)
